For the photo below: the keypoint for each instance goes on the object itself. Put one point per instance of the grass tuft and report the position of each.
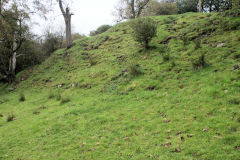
(22, 97)
(65, 100)
(10, 117)
(134, 69)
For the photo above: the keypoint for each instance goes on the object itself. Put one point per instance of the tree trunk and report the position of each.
(200, 5)
(12, 67)
(67, 17)
(0, 6)
(133, 9)
(12, 63)
(68, 29)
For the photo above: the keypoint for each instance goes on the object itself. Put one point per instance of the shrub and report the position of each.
(100, 30)
(10, 117)
(76, 36)
(22, 97)
(187, 6)
(144, 29)
(160, 8)
(166, 8)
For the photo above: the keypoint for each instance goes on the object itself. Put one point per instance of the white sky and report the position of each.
(88, 15)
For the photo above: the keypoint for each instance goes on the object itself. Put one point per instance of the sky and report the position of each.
(88, 16)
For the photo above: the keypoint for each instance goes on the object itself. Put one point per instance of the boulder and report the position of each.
(220, 45)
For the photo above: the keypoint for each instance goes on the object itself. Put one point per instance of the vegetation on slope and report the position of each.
(108, 98)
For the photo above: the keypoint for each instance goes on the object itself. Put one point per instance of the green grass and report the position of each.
(169, 111)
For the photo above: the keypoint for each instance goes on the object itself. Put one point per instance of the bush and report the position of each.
(52, 42)
(166, 8)
(100, 30)
(77, 36)
(22, 97)
(187, 6)
(160, 8)
(10, 117)
(144, 30)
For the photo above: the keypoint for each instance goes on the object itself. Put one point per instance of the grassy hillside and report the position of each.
(118, 101)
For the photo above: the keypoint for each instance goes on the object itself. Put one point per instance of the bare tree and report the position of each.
(130, 9)
(67, 18)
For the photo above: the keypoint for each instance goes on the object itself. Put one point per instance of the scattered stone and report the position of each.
(126, 138)
(168, 144)
(151, 88)
(177, 150)
(205, 130)
(60, 85)
(225, 91)
(182, 139)
(124, 72)
(237, 147)
(84, 144)
(220, 45)
(236, 67)
(167, 121)
(97, 144)
(64, 54)
(179, 133)
(162, 115)
(121, 58)
(11, 89)
(239, 119)
(74, 84)
(189, 135)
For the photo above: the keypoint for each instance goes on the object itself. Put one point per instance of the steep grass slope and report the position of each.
(116, 101)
